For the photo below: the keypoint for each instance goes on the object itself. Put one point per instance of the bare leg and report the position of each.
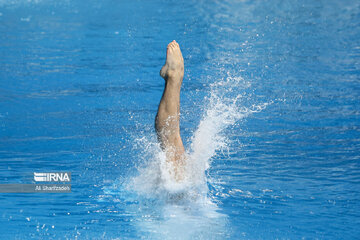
(167, 118)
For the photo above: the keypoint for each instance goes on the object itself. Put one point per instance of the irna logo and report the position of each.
(52, 177)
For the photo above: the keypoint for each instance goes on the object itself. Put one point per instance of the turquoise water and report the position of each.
(270, 118)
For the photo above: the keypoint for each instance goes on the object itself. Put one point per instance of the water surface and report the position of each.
(270, 103)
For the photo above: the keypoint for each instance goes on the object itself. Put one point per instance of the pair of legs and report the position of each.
(168, 115)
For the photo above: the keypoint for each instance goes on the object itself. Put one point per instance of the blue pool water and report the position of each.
(270, 116)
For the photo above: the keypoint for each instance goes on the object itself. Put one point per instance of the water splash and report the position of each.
(225, 106)
(184, 210)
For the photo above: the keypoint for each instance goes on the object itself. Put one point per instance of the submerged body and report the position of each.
(167, 121)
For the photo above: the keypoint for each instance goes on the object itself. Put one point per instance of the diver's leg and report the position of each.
(167, 118)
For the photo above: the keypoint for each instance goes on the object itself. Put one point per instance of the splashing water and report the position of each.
(223, 110)
(183, 210)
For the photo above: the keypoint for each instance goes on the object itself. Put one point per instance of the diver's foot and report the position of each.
(173, 70)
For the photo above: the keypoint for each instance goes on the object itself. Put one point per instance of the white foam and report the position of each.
(168, 209)
(224, 108)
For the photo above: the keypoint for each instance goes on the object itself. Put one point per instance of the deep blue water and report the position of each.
(79, 89)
